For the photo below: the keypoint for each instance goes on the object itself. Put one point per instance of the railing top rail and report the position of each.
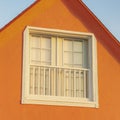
(61, 67)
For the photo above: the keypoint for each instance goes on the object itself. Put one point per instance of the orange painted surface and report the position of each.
(58, 14)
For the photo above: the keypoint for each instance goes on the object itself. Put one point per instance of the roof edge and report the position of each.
(20, 14)
(100, 23)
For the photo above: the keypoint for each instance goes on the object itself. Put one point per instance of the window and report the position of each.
(59, 68)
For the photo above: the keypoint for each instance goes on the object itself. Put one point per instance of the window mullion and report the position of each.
(53, 51)
(57, 55)
(53, 63)
(40, 49)
(72, 53)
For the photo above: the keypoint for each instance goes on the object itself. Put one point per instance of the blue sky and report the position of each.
(11, 8)
(106, 10)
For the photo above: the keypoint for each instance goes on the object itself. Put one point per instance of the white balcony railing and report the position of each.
(58, 81)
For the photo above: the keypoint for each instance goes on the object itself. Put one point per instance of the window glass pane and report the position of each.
(45, 42)
(77, 46)
(67, 45)
(35, 54)
(77, 59)
(68, 58)
(85, 54)
(35, 42)
(45, 56)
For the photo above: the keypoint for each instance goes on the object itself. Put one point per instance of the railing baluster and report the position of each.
(64, 80)
(33, 81)
(79, 87)
(54, 82)
(38, 80)
(58, 82)
(67, 83)
(41, 80)
(77, 84)
(84, 83)
(74, 81)
(49, 80)
(44, 81)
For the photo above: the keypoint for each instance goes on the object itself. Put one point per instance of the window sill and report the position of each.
(60, 101)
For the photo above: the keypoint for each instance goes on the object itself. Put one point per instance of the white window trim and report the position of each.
(26, 99)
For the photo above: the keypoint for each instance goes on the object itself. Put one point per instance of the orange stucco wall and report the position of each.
(54, 14)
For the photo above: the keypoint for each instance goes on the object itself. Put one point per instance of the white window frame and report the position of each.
(50, 100)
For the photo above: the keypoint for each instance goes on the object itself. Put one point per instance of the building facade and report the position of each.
(58, 61)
